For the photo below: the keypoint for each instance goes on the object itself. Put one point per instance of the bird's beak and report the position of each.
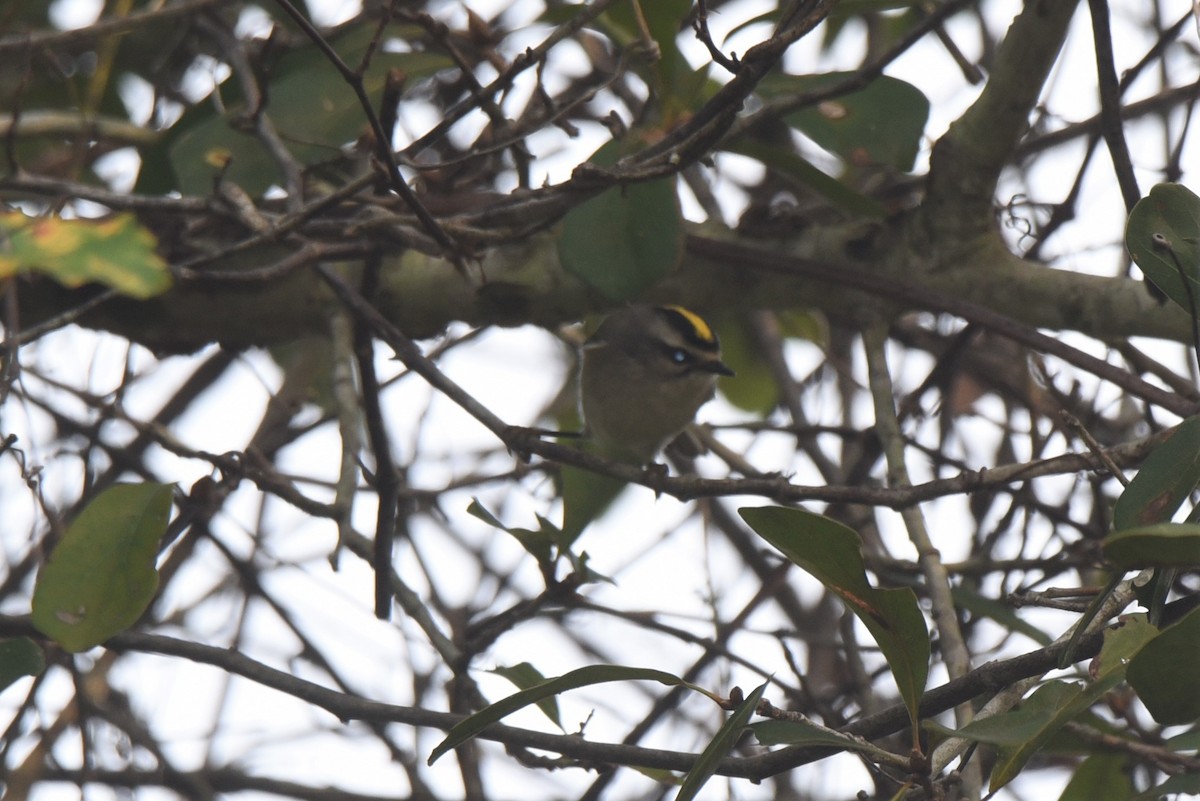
(717, 367)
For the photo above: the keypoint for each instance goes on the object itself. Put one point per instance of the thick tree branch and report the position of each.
(526, 284)
(966, 162)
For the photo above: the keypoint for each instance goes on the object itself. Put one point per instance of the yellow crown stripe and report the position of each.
(703, 332)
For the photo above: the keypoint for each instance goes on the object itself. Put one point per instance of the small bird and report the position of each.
(646, 372)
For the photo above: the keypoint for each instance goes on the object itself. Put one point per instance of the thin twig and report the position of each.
(383, 148)
(1110, 104)
(955, 653)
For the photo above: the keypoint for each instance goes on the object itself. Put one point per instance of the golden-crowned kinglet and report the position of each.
(646, 371)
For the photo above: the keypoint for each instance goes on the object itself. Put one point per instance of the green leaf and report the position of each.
(793, 165)
(671, 77)
(1143, 537)
(1068, 654)
(755, 389)
(1165, 671)
(115, 251)
(539, 544)
(1185, 741)
(19, 656)
(663, 20)
(586, 496)
(525, 676)
(311, 105)
(545, 543)
(1161, 545)
(771, 16)
(1021, 725)
(101, 576)
(1163, 237)
(1187, 784)
(1060, 706)
(1101, 777)
(881, 123)
(832, 553)
(720, 746)
(626, 238)
(1166, 478)
(885, 28)
(583, 677)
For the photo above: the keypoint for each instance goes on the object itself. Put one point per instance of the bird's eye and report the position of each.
(679, 356)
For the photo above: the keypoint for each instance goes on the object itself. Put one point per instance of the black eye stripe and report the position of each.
(691, 327)
(683, 362)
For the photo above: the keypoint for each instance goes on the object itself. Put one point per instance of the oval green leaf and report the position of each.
(798, 168)
(1047, 711)
(1165, 671)
(545, 544)
(116, 251)
(1166, 478)
(1163, 237)
(1162, 545)
(677, 86)
(626, 238)
(101, 576)
(881, 123)
(1021, 725)
(539, 544)
(310, 104)
(525, 676)
(1101, 777)
(586, 496)
(19, 656)
(832, 553)
(1177, 786)
(755, 389)
(805, 732)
